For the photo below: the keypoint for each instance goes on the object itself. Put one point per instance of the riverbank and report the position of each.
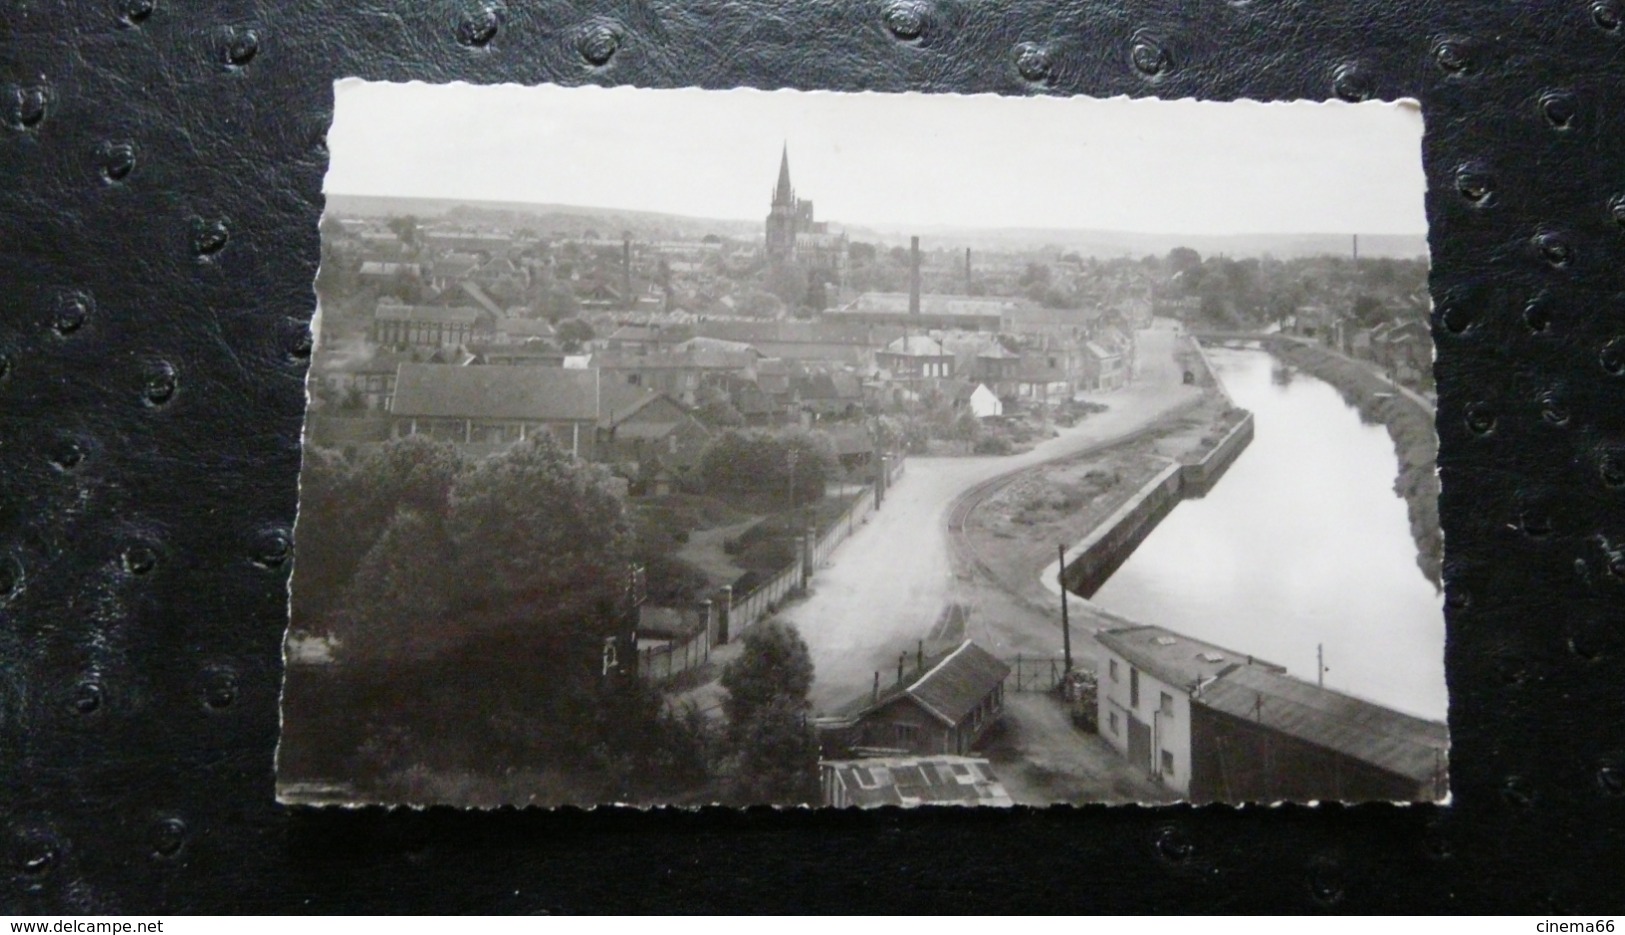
(1013, 533)
(1410, 426)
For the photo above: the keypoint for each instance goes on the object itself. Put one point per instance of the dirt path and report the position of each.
(888, 584)
(1043, 759)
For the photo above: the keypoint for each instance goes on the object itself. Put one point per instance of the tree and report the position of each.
(966, 427)
(1035, 275)
(394, 607)
(758, 303)
(1184, 260)
(755, 462)
(1369, 310)
(344, 507)
(406, 229)
(789, 282)
(533, 525)
(774, 664)
(714, 408)
(776, 756)
(574, 334)
(776, 753)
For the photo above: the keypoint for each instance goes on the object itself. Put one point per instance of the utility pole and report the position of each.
(1066, 621)
(790, 456)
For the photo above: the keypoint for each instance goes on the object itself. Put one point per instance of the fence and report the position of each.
(663, 659)
(750, 609)
(1035, 673)
(754, 606)
(844, 525)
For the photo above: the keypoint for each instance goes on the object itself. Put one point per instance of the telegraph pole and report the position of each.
(1066, 621)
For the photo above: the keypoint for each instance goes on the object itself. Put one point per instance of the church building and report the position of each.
(793, 236)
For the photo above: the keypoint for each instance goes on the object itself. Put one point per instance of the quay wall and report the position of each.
(1115, 538)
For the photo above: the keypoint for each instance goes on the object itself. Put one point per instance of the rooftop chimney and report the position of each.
(914, 275)
(875, 696)
(919, 657)
(900, 658)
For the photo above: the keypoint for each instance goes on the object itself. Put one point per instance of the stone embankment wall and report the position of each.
(1117, 536)
(1198, 477)
(1410, 425)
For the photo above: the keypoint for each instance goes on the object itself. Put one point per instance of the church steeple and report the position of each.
(783, 194)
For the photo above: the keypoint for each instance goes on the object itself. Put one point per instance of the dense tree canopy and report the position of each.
(414, 548)
(795, 463)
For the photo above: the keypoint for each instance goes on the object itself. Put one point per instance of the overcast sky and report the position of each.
(1178, 167)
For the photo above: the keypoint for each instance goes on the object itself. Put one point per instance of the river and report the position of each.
(1302, 543)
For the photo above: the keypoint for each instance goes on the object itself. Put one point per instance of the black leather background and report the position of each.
(160, 176)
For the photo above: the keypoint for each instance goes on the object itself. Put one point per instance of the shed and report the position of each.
(943, 707)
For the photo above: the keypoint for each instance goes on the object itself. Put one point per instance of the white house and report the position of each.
(984, 402)
(1146, 678)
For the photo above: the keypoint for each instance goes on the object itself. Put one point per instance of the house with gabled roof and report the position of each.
(1103, 367)
(942, 707)
(640, 425)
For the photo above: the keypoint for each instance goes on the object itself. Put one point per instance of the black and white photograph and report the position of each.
(692, 447)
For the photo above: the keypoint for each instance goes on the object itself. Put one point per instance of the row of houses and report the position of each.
(831, 370)
(1402, 348)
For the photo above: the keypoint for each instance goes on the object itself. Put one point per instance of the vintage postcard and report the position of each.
(675, 447)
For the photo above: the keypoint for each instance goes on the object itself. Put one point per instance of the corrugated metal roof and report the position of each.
(1394, 741)
(912, 781)
(541, 394)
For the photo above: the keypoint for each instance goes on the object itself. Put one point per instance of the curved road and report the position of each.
(887, 586)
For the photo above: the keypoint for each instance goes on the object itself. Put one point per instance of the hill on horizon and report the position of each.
(568, 220)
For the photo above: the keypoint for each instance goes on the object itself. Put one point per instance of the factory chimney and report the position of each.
(967, 271)
(914, 275)
(626, 270)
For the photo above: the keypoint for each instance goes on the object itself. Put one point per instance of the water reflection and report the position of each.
(1303, 542)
